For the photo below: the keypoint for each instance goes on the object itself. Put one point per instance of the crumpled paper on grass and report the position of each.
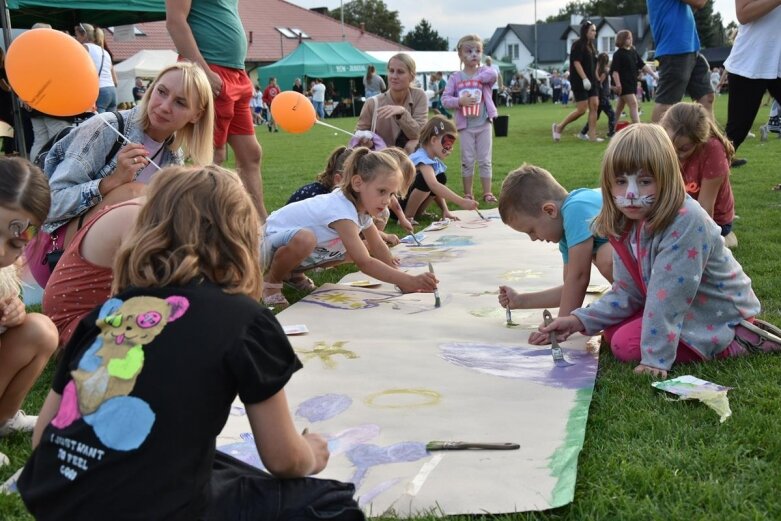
(692, 388)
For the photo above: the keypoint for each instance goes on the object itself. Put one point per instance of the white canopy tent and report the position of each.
(427, 62)
(143, 64)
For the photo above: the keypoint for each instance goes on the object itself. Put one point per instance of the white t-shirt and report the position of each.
(317, 214)
(318, 92)
(496, 68)
(98, 55)
(745, 59)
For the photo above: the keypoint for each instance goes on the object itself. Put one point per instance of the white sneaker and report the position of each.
(555, 133)
(582, 137)
(4, 460)
(751, 135)
(20, 422)
(731, 240)
(763, 133)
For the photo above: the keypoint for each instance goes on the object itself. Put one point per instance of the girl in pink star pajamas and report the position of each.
(678, 293)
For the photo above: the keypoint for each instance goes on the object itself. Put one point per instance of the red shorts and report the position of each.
(232, 115)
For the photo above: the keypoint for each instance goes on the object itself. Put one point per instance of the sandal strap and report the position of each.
(762, 333)
(272, 285)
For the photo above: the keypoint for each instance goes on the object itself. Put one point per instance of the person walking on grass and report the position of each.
(682, 69)
(583, 56)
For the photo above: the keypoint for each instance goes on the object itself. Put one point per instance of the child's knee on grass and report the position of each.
(37, 336)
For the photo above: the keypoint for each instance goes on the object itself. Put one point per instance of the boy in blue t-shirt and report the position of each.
(533, 202)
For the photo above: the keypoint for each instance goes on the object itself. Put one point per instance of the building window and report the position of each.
(608, 44)
(513, 51)
(292, 32)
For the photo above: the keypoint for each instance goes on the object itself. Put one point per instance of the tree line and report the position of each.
(378, 19)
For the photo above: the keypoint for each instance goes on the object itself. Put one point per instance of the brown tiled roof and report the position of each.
(266, 43)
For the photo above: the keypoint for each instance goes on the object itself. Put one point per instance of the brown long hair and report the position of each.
(691, 120)
(24, 186)
(197, 223)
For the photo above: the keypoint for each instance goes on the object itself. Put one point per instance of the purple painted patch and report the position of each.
(368, 496)
(245, 451)
(347, 439)
(323, 407)
(528, 364)
(366, 456)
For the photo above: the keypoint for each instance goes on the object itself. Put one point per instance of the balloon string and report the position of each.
(333, 127)
(126, 140)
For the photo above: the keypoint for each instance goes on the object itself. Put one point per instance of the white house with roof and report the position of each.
(516, 43)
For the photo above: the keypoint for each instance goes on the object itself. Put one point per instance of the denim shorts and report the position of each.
(272, 242)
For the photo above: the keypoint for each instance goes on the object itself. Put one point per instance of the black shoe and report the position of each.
(736, 162)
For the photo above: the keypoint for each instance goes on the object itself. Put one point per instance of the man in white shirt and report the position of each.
(318, 98)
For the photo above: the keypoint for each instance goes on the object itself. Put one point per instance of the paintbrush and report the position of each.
(464, 445)
(481, 215)
(437, 301)
(509, 315)
(414, 238)
(556, 352)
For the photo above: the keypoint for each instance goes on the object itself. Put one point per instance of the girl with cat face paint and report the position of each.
(678, 293)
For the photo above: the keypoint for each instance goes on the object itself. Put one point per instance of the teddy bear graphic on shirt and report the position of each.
(107, 371)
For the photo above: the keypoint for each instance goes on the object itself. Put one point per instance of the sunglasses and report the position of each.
(447, 142)
(22, 230)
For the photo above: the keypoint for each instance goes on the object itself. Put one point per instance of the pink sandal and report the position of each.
(301, 283)
(489, 198)
(275, 300)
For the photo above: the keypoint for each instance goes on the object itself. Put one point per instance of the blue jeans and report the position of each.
(319, 109)
(107, 99)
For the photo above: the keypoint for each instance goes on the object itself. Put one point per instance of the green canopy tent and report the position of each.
(66, 14)
(323, 60)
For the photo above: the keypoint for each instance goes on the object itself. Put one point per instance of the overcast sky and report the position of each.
(455, 18)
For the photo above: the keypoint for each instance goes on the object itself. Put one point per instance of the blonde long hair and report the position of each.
(197, 138)
(198, 222)
(646, 147)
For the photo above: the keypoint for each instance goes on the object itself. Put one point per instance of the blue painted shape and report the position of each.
(245, 451)
(323, 407)
(366, 456)
(90, 361)
(122, 423)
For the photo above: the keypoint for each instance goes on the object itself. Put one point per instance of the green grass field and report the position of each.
(644, 457)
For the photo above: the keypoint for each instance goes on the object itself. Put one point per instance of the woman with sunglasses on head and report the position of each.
(397, 114)
(437, 139)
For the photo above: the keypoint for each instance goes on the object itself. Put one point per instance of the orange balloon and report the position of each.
(293, 112)
(52, 72)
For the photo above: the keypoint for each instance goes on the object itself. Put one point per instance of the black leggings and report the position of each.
(240, 491)
(745, 96)
(606, 107)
